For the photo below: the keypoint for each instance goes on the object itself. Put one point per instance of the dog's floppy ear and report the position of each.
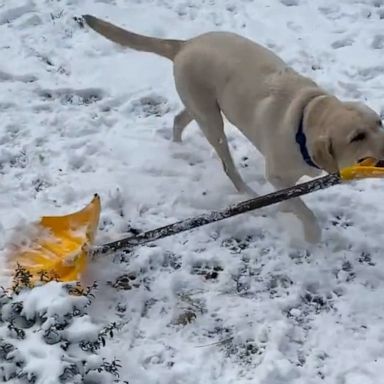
(322, 154)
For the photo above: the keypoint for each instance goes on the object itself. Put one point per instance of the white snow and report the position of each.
(243, 300)
(50, 299)
(81, 329)
(42, 358)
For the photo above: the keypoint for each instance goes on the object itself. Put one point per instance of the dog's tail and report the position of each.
(163, 47)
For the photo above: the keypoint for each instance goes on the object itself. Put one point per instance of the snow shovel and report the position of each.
(64, 244)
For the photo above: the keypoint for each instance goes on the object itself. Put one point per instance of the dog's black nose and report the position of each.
(363, 159)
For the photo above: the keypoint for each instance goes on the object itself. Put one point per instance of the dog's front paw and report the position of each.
(312, 232)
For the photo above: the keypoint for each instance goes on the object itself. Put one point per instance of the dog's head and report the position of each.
(345, 132)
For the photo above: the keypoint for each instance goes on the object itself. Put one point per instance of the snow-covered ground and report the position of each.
(244, 300)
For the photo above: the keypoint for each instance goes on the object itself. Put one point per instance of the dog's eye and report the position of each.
(359, 137)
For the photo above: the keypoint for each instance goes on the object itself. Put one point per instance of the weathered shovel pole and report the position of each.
(128, 243)
(63, 252)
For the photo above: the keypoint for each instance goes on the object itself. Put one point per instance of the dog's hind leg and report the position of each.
(179, 123)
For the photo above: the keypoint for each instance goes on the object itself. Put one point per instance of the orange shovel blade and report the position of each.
(60, 250)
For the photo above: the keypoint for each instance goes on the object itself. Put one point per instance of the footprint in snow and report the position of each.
(352, 89)
(380, 13)
(378, 42)
(290, 3)
(310, 303)
(278, 284)
(378, 3)
(370, 72)
(331, 11)
(151, 105)
(207, 270)
(83, 96)
(5, 106)
(5, 76)
(191, 158)
(342, 43)
(31, 21)
(294, 27)
(14, 13)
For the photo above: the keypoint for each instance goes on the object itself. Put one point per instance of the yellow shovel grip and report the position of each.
(366, 168)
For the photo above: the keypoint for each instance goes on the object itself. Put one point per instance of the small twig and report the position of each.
(227, 340)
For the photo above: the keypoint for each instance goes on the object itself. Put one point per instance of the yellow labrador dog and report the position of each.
(298, 127)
